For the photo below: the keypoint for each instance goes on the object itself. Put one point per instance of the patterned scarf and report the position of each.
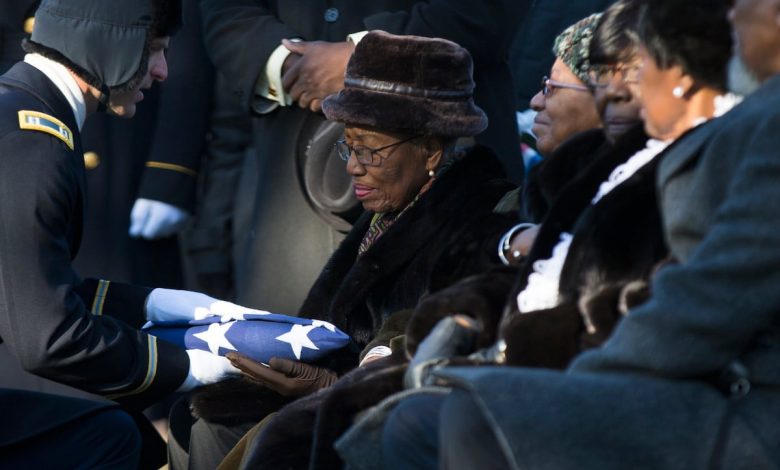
(383, 220)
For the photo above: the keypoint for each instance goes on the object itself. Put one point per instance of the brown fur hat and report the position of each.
(408, 83)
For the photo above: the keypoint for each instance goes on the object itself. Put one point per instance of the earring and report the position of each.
(431, 173)
(678, 92)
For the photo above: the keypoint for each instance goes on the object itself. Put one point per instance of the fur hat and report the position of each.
(106, 43)
(573, 44)
(408, 83)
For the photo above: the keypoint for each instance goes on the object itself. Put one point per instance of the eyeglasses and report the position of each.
(602, 75)
(367, 156)
(549, 85)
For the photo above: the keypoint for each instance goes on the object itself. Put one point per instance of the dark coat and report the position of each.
(156, 155)
(358, 294)
(283, 233)
(668, 388)
(616, 242)
(596, 270)
(81, 333)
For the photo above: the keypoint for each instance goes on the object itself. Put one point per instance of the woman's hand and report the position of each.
(286, 377)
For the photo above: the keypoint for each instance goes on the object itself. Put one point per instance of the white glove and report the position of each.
(206, 368)
(151, 219)
(183, 305)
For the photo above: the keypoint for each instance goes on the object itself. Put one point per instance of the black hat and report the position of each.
(408, 83)
(106, 43)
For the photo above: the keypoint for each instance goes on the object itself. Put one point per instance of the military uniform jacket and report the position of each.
(81, 333)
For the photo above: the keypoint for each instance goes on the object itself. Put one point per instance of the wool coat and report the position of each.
(690, 379)
(284, 226)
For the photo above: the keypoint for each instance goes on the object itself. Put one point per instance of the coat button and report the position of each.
(91, 160)
(331, 15)
(29, 23)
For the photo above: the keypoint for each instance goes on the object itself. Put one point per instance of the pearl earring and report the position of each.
(678, 92)
(431, 173)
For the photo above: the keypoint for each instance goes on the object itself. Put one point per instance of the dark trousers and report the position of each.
(197, 444)
(102, 438)
(416, 435)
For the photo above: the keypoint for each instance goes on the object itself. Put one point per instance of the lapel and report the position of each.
(685, 150)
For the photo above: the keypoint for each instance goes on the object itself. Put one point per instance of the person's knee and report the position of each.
(410, 435)
(122, 438)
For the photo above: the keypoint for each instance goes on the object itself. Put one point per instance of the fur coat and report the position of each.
(358, 294)
(437, 241)
(617, 244)
(331, 414)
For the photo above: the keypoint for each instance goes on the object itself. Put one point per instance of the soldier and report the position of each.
(84, 57)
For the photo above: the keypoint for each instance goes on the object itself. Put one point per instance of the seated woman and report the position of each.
(681, 81)
(595, 270)
(405, 103)
(566, 107)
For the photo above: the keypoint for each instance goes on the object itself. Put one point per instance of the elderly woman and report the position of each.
(405, 102)
(588, 266)
(589, 157)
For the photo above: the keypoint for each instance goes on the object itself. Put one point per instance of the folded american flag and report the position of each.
(260, 336)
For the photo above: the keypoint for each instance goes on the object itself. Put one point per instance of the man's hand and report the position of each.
(152, 219)
(318, 73)
(286, 377)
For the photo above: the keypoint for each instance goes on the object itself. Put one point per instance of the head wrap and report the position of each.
(573, 44)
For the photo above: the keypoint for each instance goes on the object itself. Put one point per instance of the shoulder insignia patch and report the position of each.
(37, 121)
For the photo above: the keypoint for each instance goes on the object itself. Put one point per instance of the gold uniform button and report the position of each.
(91, 160)
(29, 23)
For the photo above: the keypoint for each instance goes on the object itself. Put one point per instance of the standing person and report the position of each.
(691, 378)
(84, 56)
(142, 172)
(281, 242)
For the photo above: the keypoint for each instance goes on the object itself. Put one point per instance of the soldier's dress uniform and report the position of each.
(83, 333)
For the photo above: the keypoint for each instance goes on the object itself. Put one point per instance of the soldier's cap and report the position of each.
(106, 43)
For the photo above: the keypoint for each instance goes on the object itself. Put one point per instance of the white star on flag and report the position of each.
(298, 338)
(215, 337)
(323, 324)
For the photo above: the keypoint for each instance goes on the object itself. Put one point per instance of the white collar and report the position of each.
(64, 81)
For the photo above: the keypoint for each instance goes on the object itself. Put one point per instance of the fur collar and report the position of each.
(469, 189)
(546, 180)
(577, 194)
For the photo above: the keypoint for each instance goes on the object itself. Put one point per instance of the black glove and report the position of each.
(452, 336)
(286, 377)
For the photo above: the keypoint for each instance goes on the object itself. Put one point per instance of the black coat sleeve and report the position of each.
(43, 320)
(182, 118)
(240, 37)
